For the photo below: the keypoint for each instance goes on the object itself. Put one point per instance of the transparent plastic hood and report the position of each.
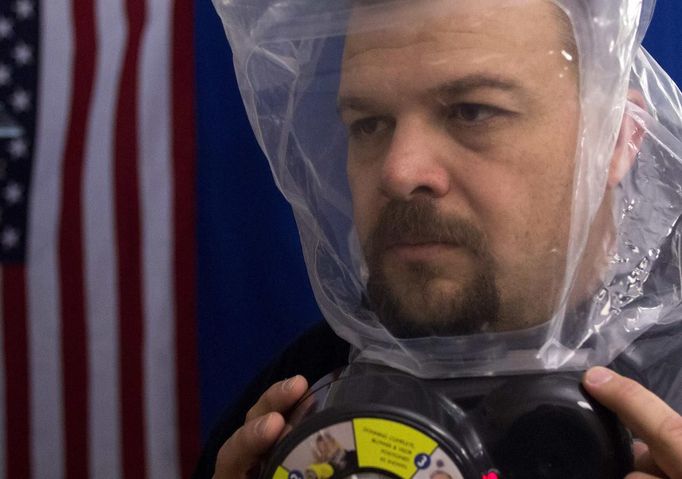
(480, 186)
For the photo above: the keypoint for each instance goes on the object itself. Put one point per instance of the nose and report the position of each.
(415, 163)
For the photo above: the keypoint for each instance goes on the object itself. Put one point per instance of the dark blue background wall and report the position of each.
(254, 295)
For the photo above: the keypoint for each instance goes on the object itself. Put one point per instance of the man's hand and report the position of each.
(649, 419)
(264, 423)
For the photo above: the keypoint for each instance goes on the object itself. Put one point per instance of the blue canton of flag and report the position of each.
(18, 77)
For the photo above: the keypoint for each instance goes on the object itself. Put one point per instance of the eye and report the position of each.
(370, 126)
(473, 112)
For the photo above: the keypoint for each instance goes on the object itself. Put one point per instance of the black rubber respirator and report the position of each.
(376, 423)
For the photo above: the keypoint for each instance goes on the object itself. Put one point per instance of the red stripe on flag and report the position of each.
(183, 130)
(16, 372)
(71, 275)
(127, 203)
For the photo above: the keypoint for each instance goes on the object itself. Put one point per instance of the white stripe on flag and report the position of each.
(100, 250)
(160, 395)
(54, 98)
(3, 398)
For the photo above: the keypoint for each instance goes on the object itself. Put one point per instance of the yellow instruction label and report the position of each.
(391, 446)
(281, 473)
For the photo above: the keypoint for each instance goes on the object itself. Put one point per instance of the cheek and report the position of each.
(524, 205)
(366, 203)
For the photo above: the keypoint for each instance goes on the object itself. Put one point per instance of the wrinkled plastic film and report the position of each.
(288, 58)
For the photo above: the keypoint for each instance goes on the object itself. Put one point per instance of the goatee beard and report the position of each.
(474, 307)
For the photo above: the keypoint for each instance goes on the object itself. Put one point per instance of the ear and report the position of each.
(629, 141)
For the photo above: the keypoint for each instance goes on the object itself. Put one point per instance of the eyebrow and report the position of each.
(458, 87)
(475, 82)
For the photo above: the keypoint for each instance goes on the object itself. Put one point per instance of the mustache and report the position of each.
(418, 221)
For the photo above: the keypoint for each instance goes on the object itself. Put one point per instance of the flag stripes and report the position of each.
(98, 331)
(156, 188)
(16, 371)
(102, 305)
(74, 345)
(3, 399)
(184, 258)
(126, 183)
(3, 390)
(42, 263)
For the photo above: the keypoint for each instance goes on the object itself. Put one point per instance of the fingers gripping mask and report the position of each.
(481, 187)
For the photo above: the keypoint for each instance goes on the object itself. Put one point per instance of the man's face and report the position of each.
(462, 126)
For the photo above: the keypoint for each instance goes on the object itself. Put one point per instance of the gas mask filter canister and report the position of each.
(377, 423)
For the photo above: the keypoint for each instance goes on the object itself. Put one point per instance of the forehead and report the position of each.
(435, 37)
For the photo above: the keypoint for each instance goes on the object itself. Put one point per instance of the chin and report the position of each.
(437, 308)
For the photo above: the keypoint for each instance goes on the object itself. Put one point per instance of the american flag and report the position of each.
(97, 286)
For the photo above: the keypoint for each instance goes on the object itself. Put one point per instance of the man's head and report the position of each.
(485, 190)
(479, 150)
(462, 120)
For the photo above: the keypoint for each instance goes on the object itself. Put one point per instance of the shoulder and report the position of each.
(655, 361)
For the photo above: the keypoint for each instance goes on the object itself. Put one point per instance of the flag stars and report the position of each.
(20, 100)
(23, 54)
(5, 75)
(6, 28)
(13, 193)
(9, 238)
(24, 9)
(17, 148)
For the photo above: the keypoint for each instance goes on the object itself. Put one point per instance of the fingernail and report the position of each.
(288, 385)
(262, 425)
(598, 376)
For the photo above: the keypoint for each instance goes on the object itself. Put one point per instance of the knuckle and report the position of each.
(229, 460)
(251, 413)
(225, 450)
(264, 404)
(671, 428)
(223, 457)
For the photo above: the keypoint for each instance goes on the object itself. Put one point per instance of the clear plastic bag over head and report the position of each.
(480, 186)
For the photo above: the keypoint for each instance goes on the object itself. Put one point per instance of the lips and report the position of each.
(421, 251)
(404, 241)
